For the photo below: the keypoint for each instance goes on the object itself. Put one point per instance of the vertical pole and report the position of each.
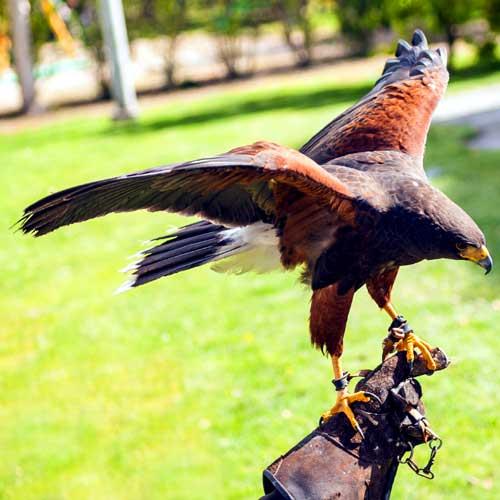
(19, 12)
(114, 33)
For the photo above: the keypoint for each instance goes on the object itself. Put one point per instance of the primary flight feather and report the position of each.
(350, 208)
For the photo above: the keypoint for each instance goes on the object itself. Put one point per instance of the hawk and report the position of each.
(351, 207)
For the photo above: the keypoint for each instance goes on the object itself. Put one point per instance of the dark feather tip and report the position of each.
(419, 39)
(391, 63)
(428, 54)
(417, 70)
(424, 63)
(403, 48)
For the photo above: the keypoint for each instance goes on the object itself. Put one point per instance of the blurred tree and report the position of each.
(228, 23)
(230, 18)
(447, 16)
(441, 16)
(173, 20)
(152, 18)
(488, 49)
(492, 11)
(85, 22)
(359, 20)
(293, 15)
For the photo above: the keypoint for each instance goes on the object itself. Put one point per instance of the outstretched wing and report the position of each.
(236, 188)
(395, 114)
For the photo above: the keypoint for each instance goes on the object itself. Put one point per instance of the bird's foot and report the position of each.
(343, 402)
(409, 343)
(402, 338)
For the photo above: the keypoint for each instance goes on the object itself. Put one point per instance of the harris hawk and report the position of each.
(351, 207)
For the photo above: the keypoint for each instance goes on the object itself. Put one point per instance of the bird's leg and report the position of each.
(389, 343)
(389, 309)
(402, 338)
(344, 399)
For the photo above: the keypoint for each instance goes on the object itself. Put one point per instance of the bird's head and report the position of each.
(467, 242)
(453, 233)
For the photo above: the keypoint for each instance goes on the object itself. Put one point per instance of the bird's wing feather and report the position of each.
(395, 114)
(235, 188)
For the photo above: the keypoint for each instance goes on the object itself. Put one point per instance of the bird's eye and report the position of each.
(461, 246)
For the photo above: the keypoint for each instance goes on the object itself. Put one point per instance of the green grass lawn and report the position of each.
(187, 388)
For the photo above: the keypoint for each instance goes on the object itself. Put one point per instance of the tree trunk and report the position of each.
(170, 64)
(148, 10)
(303, 50)
(450, 39)
(305, 54)
(19, 12)
(229, 53)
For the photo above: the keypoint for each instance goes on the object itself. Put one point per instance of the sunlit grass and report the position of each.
(187, 388)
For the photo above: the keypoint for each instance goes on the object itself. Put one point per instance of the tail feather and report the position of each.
(175, 249)
(186, 256)
(198, 228)
(146, 277)
(190, 246)
(172, 244)
(250, 248)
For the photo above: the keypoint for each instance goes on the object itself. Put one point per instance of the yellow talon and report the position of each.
(408, 342)
(411, 342)
(342, 405)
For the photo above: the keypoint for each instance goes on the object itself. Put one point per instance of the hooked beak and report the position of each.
(480, 256)
(486, 264)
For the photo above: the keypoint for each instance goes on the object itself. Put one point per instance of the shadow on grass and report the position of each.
(208, 111)
(244, 105)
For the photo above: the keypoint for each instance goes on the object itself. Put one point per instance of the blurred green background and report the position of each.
(187, 388)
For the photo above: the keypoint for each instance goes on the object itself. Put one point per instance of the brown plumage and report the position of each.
(329, 312)
(380, 285)
(351, 208)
